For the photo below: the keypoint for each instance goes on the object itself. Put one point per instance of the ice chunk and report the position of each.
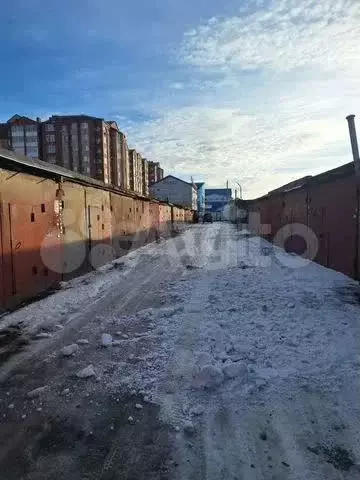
(37, 392)
(106, 340)
(69, 350)
(86, 372)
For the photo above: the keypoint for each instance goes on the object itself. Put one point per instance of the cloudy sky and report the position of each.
(247, 91)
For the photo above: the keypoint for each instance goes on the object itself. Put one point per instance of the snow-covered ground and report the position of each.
(206, 356)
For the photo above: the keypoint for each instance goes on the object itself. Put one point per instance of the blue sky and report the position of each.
(253, 91)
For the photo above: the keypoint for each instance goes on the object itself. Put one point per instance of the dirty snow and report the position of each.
(253, 359)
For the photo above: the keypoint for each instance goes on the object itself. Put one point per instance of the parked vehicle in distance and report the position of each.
(207, 218)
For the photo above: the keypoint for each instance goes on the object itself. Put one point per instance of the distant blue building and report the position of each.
(200, 198)
(216, 200)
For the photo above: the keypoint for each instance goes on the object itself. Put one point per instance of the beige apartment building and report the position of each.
(135, 168)
(145, 177)
(125, 169)
(80, 143)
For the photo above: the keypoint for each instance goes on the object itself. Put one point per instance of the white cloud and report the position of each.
(267, 99)
(287, 36)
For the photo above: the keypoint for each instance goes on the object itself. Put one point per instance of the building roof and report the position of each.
(346, 170)
(85, 117)
(16, 117)
(292, 185)
(175, 178)
(112, 124)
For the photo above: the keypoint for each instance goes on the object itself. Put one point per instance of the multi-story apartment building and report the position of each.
(132, 167)
(22, 135)
(4, 136)
(145, 177)
(135, 164)
(160, 172)
(125, 169)
(156, 173)
(80, 143)
(139, 177)
(115, 154)
(152, 169)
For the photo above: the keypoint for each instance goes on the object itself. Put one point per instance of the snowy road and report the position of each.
(210, 356)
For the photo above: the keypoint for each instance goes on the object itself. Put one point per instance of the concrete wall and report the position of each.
(51, 231)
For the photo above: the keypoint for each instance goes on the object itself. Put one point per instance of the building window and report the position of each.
(51, 149)
(30, 130)
(74, 142)
(75, 161)
(84, 126)
(51, 159)
(49, 127)
(50, 138)
(74, 127)
(17, 130)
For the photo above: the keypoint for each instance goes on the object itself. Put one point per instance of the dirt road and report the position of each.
(211, 357)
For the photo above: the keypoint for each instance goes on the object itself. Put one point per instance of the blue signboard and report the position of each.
(216, 199)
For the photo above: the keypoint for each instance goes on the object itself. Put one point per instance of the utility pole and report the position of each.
(355, 152)
(240, 189)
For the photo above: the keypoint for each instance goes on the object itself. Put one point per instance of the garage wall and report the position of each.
(51, 231)
(328, 208)
(29, 232)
